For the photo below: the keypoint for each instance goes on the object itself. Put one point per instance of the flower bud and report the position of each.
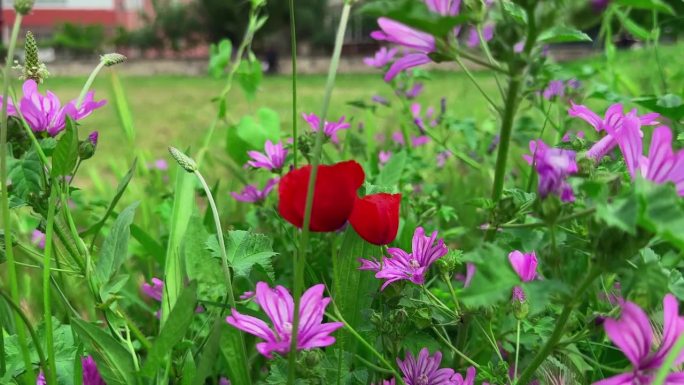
(86, 148)
(520, 308)
(23, 7)
(183, 160)
(112, 59)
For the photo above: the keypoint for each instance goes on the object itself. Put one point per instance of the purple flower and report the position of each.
(417, 141)
(44, 113)
(633, 334)
(38, 239)
(251, 194)
(278, 305)
(388, 382)
(329, 128)
(224, 381)
(574, 83)
(418, 119)
(525, 265)
(154, 290)
(398, 137)
(381, 58)
(247, 295)
(471, 269)
(92, 138)
(273, 159)
(442, 158)
(474, 38)
(569, 136)
(380, 100)
(599, 5)
(384, 156)
(414, 91)
(398, 33)
(159, 164)
(613, 119)
(662, 164)
(444, 7)
(91, 376)
(556, 88)
(519, 47)
(553, 165)
(425, 370)
(408, 266)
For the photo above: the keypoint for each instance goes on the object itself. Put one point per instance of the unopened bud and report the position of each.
(23, 7)
(183, 160)
(112, 59)
(519, 302)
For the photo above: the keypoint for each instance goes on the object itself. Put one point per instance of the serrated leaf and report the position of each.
(621, 213)
(200, 265)
(562, 34)
(115, 247)
(113, 360)
(244, 250)
(392, 171)
(493, 280)
(219, 57)
(515, 11)
(25, 175)
(656, 5)
(173, 330)
(66, 153)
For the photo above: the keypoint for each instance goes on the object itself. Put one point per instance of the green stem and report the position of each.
(293, 48)
(300, 255)
(517, 353)
(566, 218)
(512, 101)
(463, 157)
(456, 350)
(477, 85)
(4, 198)
(452, 291)
(34, 337)
(557, 333)
(669, 363)
(51, 373)
(89, 83)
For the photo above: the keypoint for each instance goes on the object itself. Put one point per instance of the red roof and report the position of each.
(51, 17)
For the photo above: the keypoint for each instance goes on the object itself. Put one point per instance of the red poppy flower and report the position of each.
(334, 195)
(376, 217)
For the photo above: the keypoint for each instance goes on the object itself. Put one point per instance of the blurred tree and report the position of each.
(79, 40)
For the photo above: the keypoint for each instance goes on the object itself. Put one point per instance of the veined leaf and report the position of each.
(231, 348)
(25, 175)
(115, 247)
(66, 153)
(562, 34)
(244, 250)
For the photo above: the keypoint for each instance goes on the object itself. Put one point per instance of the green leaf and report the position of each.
(251, 133)
(113, 287)
(562, 34)
(676, 284)
(219, 57)
(199, 263)
(113, 360)
(515, 11)
(189, 369)
(231, 346)
(120, 189)
(249, 77)
(663, 213)
(670, 105)
(656, 5)
(115, 247)
(244, 250)
(353, 290)
(631, 26)
(415, 14)
(493, 280)
(154, 248)
(123, 111)
(173, 330)
(392, 171)
(621, 213)
(25, 175)
(209, 356)
(66, 153)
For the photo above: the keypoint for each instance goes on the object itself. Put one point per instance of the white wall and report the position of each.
(61, 4)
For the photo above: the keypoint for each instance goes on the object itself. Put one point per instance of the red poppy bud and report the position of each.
(334, 195)
(376, 217)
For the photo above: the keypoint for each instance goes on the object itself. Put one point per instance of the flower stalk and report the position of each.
(4, 198)
(51, 370)
(300, 254)
(293, 54)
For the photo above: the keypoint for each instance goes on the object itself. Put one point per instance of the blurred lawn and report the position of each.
(176, 110)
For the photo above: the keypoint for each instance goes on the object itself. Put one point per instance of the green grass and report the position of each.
(176, 110)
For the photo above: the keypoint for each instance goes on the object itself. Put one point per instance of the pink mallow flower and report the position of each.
(330, 129)
(425, 370)
(44, 113)
(278, 305)
(408, 266)
(387, 382)
(556, 88)
(419, 120)
(384, 156)
(38, 238)
(91, 376)
(273, 157)
(224, 381)
(611, 122)
(525, 265)
(156, 291)
(473, 39)
(553, 165)
(395, 32)
(381, 58)
(251, 194)
(633, 334)
(442, 158)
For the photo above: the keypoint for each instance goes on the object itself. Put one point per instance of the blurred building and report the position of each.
(47, 15)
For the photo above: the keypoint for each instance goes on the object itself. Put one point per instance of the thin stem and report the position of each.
(455, 350)
(669, 361)
(293, 53)
(4, 198)
(567, 218)
(477, 85)
(517, 352)
(463, 157)
(89, 83)
(300, 255)
(452, 291)
(490, 57)
(557, 333)
(51, 373)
